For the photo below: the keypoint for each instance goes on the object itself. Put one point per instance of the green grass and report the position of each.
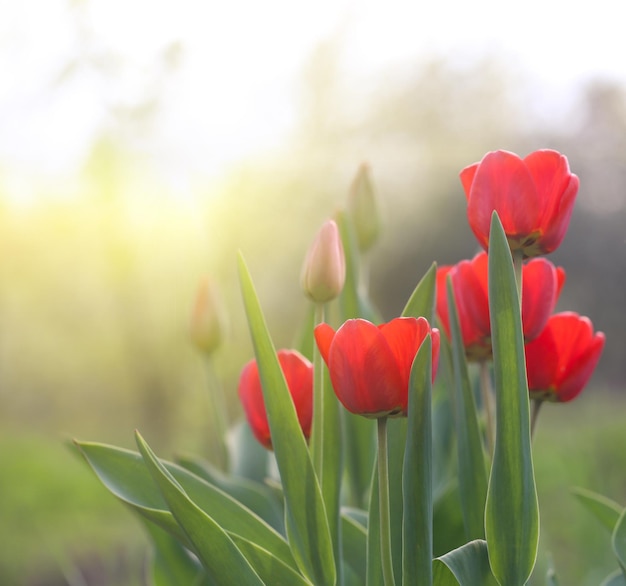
(57, 521)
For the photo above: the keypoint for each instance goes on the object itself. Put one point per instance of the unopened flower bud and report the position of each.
(207, 320)
(363, 209)
(324, 270)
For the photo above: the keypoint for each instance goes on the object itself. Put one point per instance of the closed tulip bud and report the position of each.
(324, 269)
(363, 209)
(207, 319)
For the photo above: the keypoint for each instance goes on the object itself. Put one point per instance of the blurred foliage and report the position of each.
(99, 273)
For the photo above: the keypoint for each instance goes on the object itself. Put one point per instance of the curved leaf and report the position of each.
(422, 300)
(618, 541)
(307, 524)
(615, 579)
(512, 511)
(219, 555)
(354, 539)
(417, 474)
(467, 565)
(471, 456)
(601, 507)
(125, 474)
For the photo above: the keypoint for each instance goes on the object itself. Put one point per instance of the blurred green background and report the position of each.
(100, 259)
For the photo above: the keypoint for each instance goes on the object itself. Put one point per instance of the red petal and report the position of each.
(324, 335)
(298, 373)
(251, 397)
(363, 369)
(503, 183)
(471, 292)
(582, 370)
(404, 336)
(540, 292)
(555, 226)
(442, 297)
(467, 178)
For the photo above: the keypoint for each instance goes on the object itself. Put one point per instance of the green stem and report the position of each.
(487, 396)
(383, 496)
(317, 435)
(219, 414)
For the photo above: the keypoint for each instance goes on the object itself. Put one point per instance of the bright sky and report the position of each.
(235, 91)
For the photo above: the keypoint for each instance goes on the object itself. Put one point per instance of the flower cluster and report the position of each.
(369, 364)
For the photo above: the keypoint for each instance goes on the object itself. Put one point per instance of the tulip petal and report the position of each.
(582, 370)
(363, 370)
(324, 335)
(405, 335)
(557, 224)
(503, 183)
(540, 285)
(467, 178)
(442, 300)
(471, 293)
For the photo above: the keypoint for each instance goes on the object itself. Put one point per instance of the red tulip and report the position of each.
(298, 373)
(561, 360)
(370, 365)
(541, 287)
(534, 198)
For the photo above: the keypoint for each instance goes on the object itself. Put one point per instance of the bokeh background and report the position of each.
(142, 144)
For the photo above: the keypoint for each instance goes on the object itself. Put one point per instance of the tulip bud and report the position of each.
(363, 209)
(324, 270)
(207, 319)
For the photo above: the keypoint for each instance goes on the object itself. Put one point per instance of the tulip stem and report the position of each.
(487, 396)
(383, 495)
(219, 414)
(317, 432)
(536, 406)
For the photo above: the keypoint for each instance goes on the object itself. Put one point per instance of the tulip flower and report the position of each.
(561, 360)
(363, 209)
(207, 318)
(541, 287)
(534, 198)
(298, 373)
(324, 269)
(370, 365)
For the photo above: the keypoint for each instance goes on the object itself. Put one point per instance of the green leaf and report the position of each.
(601, 507)
(219, 555)
(125, 474)
(615, 579)
(354, 538)
(422, 300)
(307, 526)
(327, 451)
(467, 565)
(471, 456)
(257, 497)
(171, 562)
(417, 474)
(618, 541)
(512, 512)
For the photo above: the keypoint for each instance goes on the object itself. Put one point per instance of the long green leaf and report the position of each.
(258, 497)
(471, 456)
(219, 555)
(171, 562)
(125, 474)
(601, 507)
(618, 541)
(307, 527)
(417, 477)
(467, 565)
(354, 537)
(512, 512)
(422, 300)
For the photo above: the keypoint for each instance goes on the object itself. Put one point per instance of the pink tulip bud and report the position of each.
(324, 270)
